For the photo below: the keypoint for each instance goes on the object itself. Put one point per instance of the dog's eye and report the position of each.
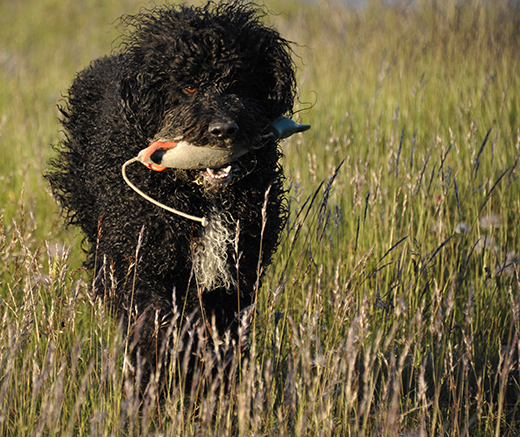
(190, 89)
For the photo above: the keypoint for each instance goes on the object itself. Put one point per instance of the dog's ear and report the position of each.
(141, 103)
(284, 91)
(127, 100)
(278, 73)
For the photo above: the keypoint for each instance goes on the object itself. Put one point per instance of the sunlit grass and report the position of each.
(392, 306)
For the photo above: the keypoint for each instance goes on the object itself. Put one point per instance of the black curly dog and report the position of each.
(213, 78)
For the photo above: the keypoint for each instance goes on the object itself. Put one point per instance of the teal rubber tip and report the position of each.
(285, 127)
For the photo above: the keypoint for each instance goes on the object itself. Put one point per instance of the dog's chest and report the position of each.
(211, 255)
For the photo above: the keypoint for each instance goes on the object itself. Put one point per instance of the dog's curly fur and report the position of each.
(180, 73)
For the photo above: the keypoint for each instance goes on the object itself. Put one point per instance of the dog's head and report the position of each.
(210, 80)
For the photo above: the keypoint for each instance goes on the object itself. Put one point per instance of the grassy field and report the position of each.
(393, 305)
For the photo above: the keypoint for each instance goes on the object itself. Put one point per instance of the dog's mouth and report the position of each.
(215, 167)
(183, 155)
(219, 175)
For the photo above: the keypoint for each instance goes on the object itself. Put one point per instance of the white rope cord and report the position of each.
(202, 220)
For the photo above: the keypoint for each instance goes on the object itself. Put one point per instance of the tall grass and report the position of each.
(392, 307)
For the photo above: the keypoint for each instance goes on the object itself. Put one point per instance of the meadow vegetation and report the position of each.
(393, 304)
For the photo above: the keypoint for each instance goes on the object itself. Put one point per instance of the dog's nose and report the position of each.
(223, 129)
